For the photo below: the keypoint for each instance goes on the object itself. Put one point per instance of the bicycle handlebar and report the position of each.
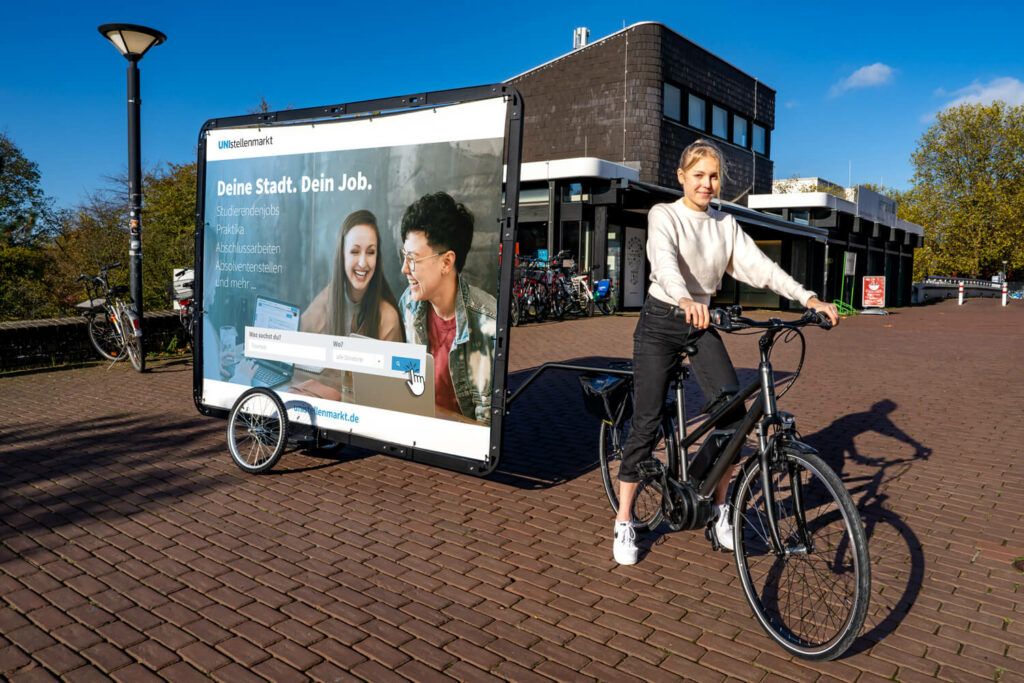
(731, 320)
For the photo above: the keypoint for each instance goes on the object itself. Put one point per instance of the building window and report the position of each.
(739, 130)
(673, 102)
(801, 217)
(759, 139)
(719, 122)
(696, 113)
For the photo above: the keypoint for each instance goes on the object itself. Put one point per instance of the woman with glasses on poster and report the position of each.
(455, 320)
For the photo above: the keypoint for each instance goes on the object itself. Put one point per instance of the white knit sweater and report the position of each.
(690, 250)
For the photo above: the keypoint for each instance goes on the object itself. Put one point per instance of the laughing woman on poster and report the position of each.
(358, 298)
(452, 318)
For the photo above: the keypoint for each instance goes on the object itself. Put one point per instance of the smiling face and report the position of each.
(360, 259)
(429, 272)
(700, 183)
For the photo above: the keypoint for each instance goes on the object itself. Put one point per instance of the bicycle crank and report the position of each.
(684, 508)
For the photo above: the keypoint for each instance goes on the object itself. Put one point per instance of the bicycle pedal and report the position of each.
(649, 468)
(710, 535)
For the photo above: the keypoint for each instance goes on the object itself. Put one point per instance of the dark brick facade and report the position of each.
(606, 100)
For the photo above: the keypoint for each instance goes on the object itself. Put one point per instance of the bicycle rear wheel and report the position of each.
(811, 599)
(105, 338)
(257, 430)
(647, 510)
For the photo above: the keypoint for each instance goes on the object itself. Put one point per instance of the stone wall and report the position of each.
(60, 341)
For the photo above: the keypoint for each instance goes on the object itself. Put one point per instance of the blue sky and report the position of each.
(856, 83)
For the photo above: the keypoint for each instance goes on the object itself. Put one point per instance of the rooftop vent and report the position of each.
(580, 37)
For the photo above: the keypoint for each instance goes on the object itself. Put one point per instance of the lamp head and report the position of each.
(132, 40)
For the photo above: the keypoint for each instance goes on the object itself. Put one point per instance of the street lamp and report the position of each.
(132, 42)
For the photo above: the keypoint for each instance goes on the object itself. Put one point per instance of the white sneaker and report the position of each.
(723, 527)
(624, 549)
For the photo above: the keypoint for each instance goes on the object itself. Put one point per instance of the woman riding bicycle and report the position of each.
(690, 246)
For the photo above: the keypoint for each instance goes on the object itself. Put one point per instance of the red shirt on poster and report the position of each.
(441, 334)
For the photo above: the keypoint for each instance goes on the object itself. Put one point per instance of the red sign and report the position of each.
(873, 292)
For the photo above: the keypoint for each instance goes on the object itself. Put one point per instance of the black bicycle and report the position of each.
(113, 326)
(799, 543)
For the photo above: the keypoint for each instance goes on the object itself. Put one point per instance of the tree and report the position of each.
(968, 190)
(26, 225)
(93, 235)
(169, 228)
(26, 214)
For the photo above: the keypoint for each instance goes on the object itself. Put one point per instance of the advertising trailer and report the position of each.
(348, 262)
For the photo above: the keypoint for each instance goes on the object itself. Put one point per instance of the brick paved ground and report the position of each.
(131, 548)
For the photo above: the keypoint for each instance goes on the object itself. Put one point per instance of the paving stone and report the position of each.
(131, 548)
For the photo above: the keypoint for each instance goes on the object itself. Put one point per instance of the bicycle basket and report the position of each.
(602, 288)
(606, 397)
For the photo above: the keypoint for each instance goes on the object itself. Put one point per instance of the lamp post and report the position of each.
(132, 42)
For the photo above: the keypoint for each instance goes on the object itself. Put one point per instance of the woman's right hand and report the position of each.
(696, 313)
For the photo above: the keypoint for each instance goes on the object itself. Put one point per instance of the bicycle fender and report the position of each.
(798, 446)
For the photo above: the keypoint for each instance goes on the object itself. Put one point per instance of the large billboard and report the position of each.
(350, 263)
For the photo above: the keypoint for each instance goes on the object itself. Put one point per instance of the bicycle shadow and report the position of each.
(883, 525)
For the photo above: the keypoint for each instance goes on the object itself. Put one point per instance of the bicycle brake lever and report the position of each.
(819, 319)
(721, 319)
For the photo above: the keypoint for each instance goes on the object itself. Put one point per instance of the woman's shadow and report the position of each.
(884, 526)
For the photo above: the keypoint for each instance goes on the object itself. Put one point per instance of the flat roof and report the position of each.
(632, 26)
(745, 214)
(578, 167)
(819, 200)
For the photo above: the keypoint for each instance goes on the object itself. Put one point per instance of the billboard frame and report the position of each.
(508, 227)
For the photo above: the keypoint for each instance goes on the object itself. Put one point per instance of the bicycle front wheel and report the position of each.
(813, 597)
(257, 430)
(132, 343)
(647, 510)
(104, 337)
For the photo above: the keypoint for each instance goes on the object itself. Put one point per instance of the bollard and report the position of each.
(960, 299)
(1004, 293)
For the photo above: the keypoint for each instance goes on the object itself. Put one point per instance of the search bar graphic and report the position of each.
(259, 348)
(360, 358)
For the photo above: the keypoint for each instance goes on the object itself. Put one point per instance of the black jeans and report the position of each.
(659, 338)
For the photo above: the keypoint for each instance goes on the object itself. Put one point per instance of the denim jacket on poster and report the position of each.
(471, 359)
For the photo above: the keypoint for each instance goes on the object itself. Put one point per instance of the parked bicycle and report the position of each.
(531, 292)
(182, 293)
(799, 544)
(604, 296)
(113, 327)
(577, 286)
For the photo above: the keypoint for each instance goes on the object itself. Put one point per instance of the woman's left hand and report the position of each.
(828, 310)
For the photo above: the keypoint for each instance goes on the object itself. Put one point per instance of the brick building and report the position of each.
(638, 97)
(604, 126)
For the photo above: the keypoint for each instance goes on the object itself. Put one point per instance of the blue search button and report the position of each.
(401, 364)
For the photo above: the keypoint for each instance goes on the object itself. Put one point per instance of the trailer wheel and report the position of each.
(257, 430)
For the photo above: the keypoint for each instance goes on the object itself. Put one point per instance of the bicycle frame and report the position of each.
(761, 416)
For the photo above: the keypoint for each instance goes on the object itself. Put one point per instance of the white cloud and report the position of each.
(1009, 90)
(865, 77)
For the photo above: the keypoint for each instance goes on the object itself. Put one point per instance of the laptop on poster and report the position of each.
(392, 393)
(274, 315)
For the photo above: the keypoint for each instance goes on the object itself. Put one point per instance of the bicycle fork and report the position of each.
(768, 448)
